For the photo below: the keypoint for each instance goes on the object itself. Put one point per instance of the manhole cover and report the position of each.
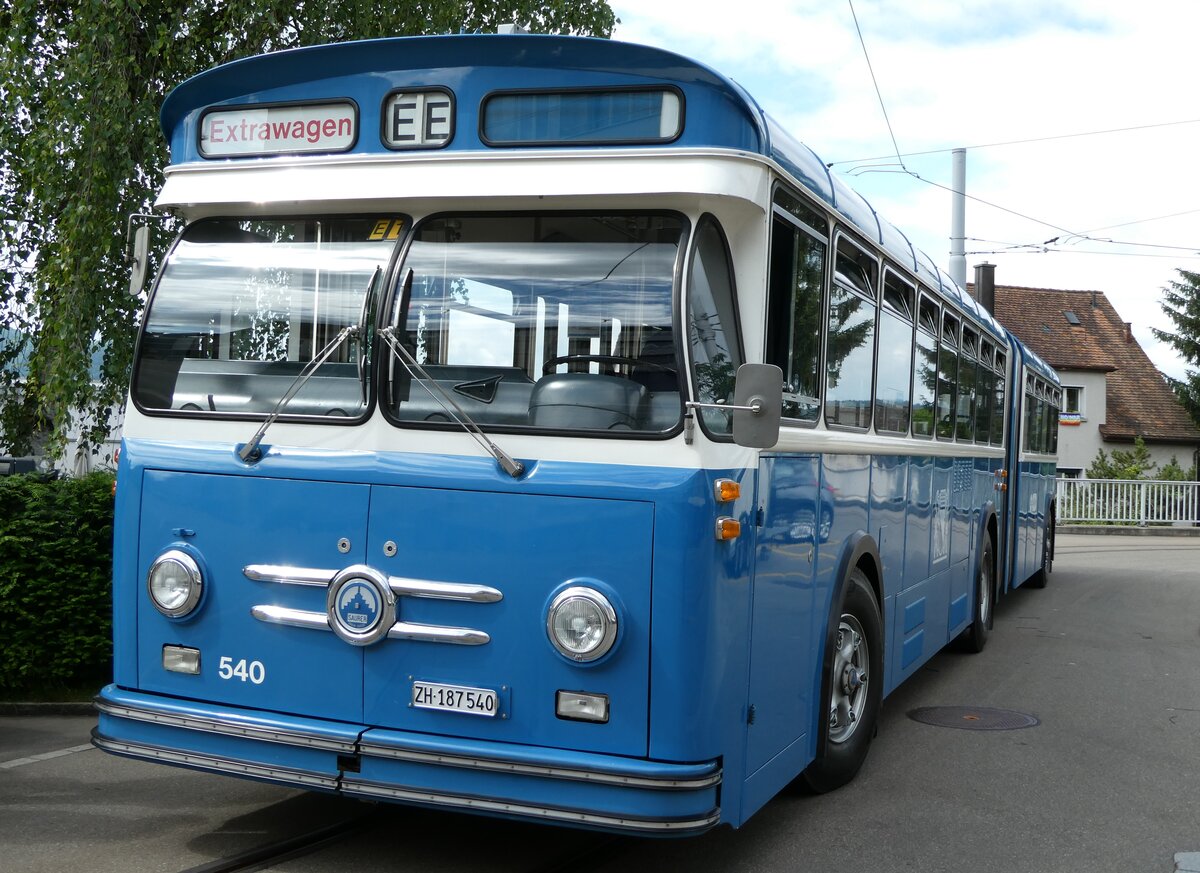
(973, 718)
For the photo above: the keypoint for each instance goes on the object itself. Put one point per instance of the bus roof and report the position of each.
(716, 111)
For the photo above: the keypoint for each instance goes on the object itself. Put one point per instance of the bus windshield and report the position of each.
(244, 304)
(560, 321)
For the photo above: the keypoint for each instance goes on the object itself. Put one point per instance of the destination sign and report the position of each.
(279, 130)
(418, 119)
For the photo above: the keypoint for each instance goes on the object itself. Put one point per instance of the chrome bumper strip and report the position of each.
(402, 587)
(401, 630)
(431, 633)
(569, 773)
(291, 617)
(289, 575)
(570, 816)
(227, 727)
(284, 775)
(348, 784)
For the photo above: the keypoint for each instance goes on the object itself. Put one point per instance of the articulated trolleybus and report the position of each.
(528, 425)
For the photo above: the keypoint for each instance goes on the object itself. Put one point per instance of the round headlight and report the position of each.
(174, 583)
(582, 624)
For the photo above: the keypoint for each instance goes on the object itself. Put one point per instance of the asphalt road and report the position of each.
(1107, 659)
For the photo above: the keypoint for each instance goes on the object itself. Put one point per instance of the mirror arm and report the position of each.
(755, 407)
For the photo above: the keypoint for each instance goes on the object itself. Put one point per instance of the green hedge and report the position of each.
(55, 581)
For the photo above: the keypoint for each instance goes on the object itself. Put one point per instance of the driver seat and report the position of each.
(586, 400)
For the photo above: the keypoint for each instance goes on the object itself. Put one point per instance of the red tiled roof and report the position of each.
(1140, 402)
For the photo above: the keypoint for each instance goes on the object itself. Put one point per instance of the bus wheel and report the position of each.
(1042, 576)
(975, 637)
(853, 690)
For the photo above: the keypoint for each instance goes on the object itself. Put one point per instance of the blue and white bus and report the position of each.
(528, 425)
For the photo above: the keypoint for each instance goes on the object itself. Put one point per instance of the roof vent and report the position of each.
(1071, 317)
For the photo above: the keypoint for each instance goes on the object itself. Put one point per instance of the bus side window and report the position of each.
(967, 387)
(999, 400)
(712, 325)
(850, 347)
(925, 370)
(985, 385)
(797, 275)
(947, 379)
(893, 386)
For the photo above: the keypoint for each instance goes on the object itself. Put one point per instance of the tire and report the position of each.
(851, 691)
(975, 637)
(1042, 576)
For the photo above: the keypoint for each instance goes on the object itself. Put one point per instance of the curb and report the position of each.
(81, 708)
(1127, 530)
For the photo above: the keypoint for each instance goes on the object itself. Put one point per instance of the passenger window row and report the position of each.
(873, 351)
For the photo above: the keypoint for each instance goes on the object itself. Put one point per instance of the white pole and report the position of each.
(958, 217)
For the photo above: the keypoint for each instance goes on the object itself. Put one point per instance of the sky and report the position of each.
(1113, 211)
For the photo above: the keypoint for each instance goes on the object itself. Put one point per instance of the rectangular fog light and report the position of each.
(179, 659)
(581, 706)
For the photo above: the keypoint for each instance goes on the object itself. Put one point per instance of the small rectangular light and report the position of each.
(726, 490)
(581, 706)
(728, 528)
(179, 659)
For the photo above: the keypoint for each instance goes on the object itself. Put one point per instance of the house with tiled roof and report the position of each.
(1112, 391)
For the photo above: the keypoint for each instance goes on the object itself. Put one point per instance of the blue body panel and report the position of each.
(471, 66)
(451, 520)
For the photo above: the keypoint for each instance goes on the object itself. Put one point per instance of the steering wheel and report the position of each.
(605, 359)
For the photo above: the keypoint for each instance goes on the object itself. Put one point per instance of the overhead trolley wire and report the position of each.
(875, 82)
(990, 145)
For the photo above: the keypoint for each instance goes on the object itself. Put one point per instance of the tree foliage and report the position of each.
(80, 150)
(1135, 464)
(1181, 303)
(55, 581)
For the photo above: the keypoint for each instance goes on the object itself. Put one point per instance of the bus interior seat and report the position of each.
(658, 351)
(586, 400)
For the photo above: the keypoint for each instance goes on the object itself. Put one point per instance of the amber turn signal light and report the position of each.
(726, 490)
(728, 528)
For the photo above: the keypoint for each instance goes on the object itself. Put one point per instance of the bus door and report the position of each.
(784, 651)
(1007, 505)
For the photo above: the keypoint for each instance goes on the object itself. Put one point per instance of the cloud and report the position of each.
(973, 74)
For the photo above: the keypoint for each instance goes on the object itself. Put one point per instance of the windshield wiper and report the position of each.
(510, 466)
(250, 453)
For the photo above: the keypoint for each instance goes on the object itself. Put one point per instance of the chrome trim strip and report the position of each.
(319, 578)
(445, 590)
(431, 633)
(211, 762)
(545, 771)
(289, 575)
(291, 617)
(371, 789)
(401, 630)
(224, 727)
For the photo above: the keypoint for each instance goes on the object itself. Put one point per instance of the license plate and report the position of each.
(454, 698)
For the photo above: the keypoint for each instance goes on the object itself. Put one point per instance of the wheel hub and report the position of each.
(848, 695)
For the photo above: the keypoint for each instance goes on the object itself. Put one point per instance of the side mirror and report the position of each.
(141, 258)
(757, 405)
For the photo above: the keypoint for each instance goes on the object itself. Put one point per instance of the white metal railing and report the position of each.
(1127, 501)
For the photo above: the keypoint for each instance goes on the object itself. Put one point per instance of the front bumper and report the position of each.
(581, 789)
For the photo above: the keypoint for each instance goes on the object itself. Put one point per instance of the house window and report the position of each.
(1073, 402)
